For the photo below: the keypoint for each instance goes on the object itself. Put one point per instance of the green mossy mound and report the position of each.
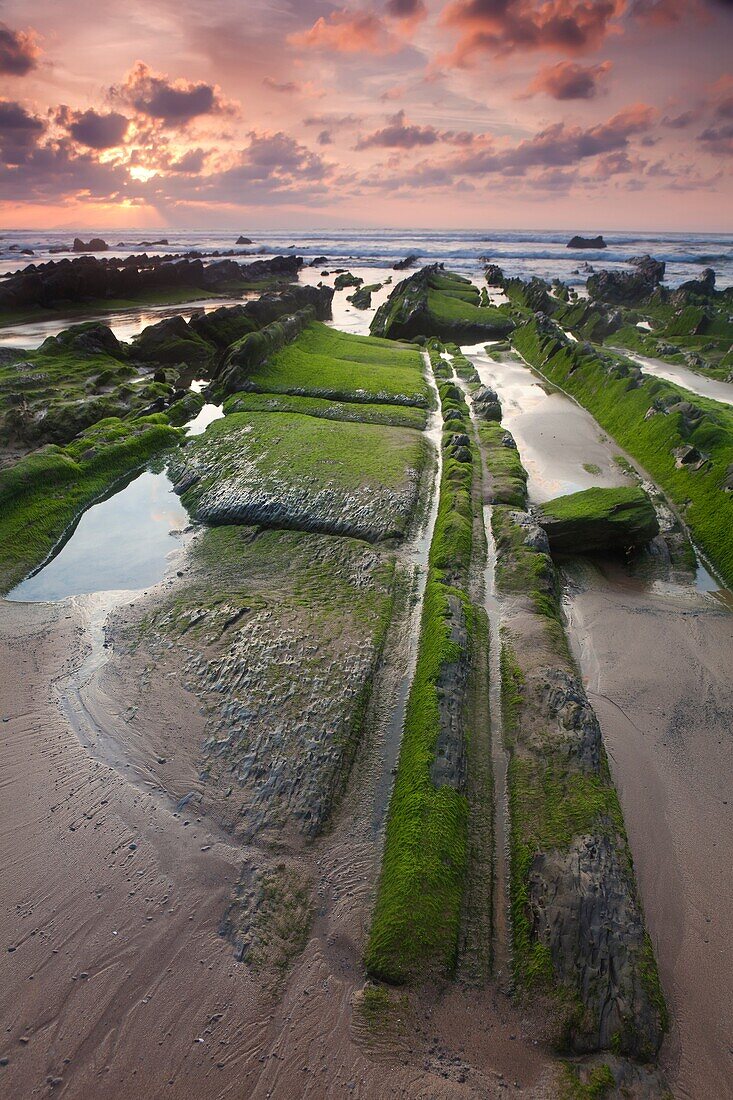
(415, 928)
(325, 363)
(284, 470)
(439, 303)
(397, 416)
(599, 519)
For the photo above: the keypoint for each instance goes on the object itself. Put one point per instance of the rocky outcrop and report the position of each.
(244, 356)
(578, 923)
(172, 342)
(91, 278)
(599, 519)
(580, 905)
(249, 471)
(409, 261)
(494, 275)
(698, 288)
(623, 288)
(345, 280)
(436, 302)
(243, 240)
(362, 297)
(96, 244)
(652, 270)
(486, 404)
(587, 242)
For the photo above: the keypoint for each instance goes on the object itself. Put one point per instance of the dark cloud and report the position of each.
(56, 173)
(18, 51)
(399, 135)
(724, 109)
(568, 80)
(324, 138)
(501, 26)
(405, 9)
(174, 103)
(190, 163)
(679, 122)
(19, 132)
(95, 130)
(718, 140)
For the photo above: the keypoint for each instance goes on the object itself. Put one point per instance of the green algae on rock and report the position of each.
(291, 471)
(274, 623)
(434, 302)
(323, 362)
(599, 519)
(415, 927)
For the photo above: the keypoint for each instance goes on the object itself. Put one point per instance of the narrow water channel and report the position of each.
(501, 900)
(655, 658)
(690, 380)
(415, 558)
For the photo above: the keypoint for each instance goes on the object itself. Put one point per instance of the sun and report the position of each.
(142, 175)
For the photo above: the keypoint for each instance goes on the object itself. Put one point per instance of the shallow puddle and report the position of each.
(123, 542)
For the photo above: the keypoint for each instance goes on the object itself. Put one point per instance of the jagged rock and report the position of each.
(96, 244)
(435, 302)
(494, 275)
(622, 287)
(688, 455)
(243, 240)
(362, 297)
(409, 261)
(171, 341)
(587, 242)
(599, 519)
(486, 403)
(702, 287)
(347, 279)
(92, 277)
(652, 270)
(533, 534)
(581, 907)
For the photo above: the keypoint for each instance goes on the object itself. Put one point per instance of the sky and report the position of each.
(255, 114)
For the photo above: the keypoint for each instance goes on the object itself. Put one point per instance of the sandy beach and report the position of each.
(657, 669)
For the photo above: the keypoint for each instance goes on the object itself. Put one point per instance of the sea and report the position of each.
(522, 253)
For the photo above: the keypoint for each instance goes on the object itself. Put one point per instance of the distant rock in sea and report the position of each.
(96, 244)
(243, 240)
(587, 242)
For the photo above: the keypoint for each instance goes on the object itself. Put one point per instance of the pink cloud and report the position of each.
(345, 31)
(171, 102)
(568, 80)
(19, 51)
(501, 26)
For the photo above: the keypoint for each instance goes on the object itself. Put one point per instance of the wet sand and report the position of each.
(119, 980)
(658, 672)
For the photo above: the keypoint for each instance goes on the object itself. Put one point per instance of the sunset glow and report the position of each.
(456, 113)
